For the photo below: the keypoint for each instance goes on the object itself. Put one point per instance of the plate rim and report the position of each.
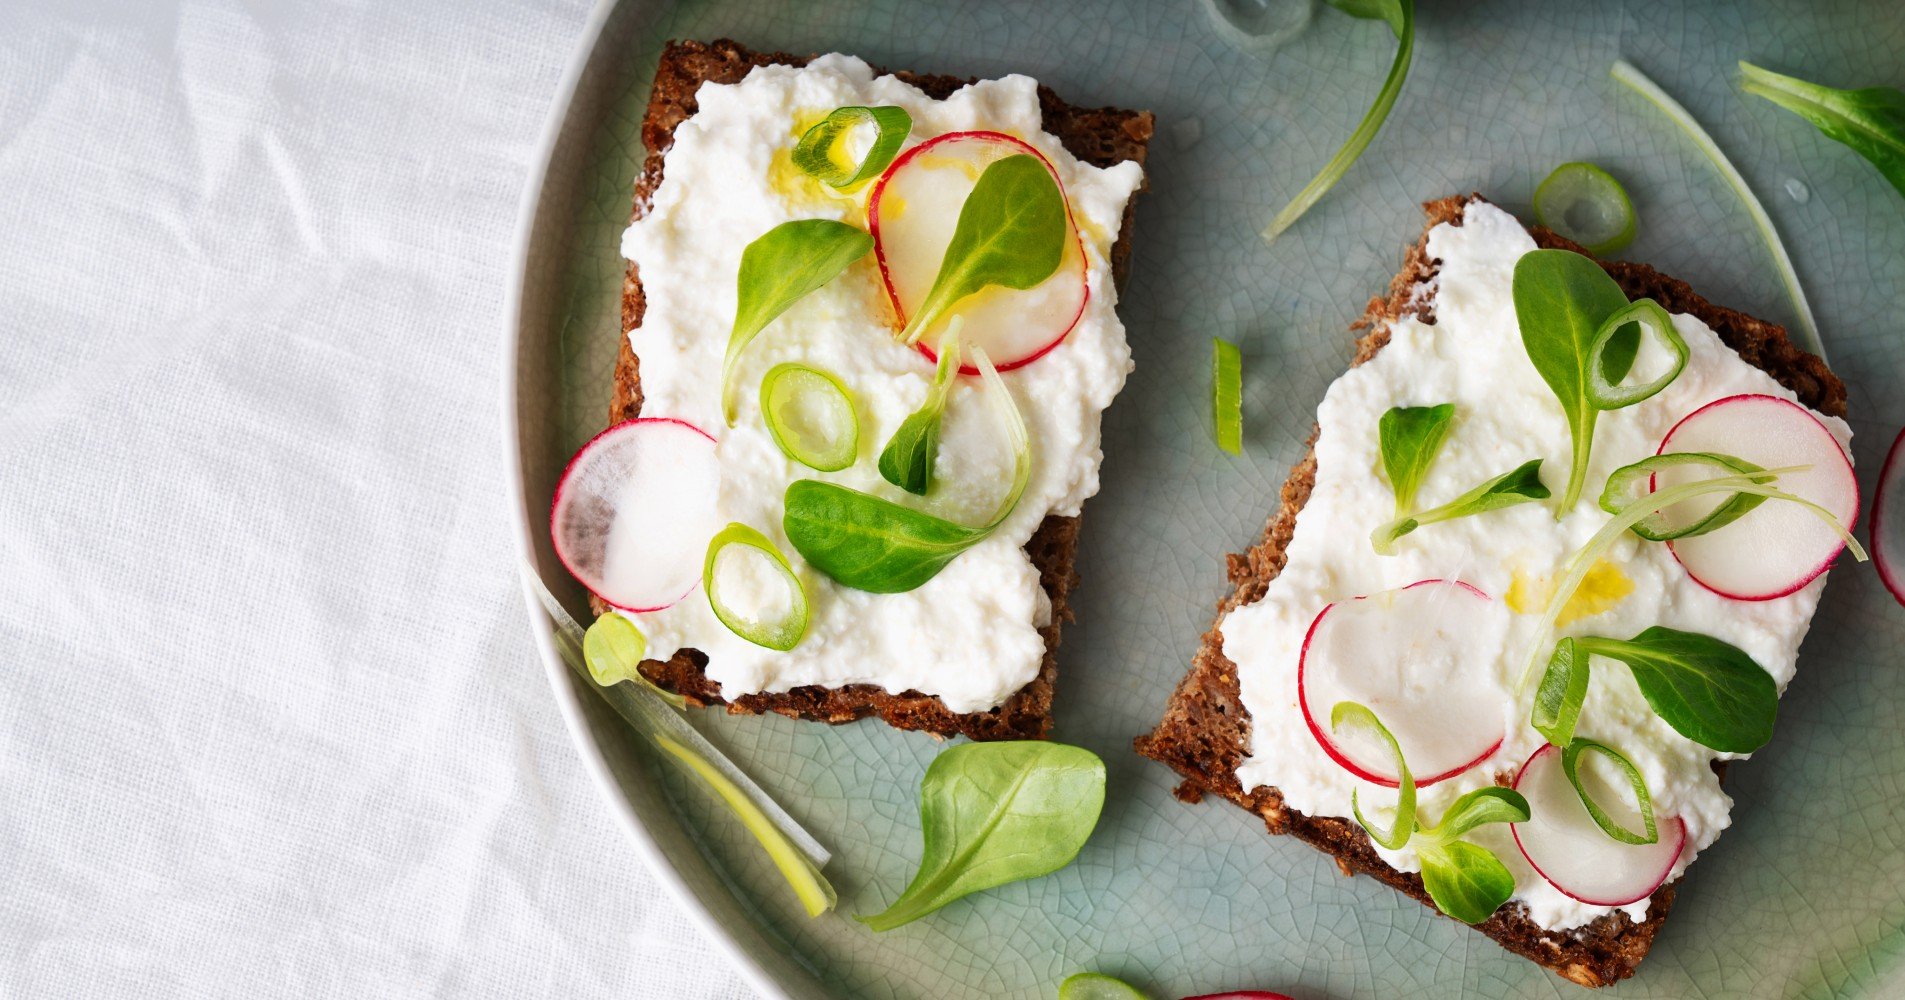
(567, 699)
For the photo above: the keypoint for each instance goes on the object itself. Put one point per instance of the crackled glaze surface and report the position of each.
(1802, 897)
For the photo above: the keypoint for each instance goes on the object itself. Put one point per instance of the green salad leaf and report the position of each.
(1400, 16)
(1871, 121)
(1011, 232)
(819, 154)
(1519, 485)
(871, 543)
(783, 266)
(1409, 438)
(907, 460)
(613, 648)
(1485, 805)
(1467, 882)
(1562, 303)
(1708, 690)
(993, 813)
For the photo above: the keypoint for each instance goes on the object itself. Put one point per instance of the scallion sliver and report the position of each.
(810, 415)
(1587, 205)
(1625, 72)
(1227, 395)
(780, 634)
(651, 718)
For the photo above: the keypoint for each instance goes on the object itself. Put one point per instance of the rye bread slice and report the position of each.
(1205, 731)
(1099, 136)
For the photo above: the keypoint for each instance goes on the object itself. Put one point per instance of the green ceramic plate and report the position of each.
(1805, 896)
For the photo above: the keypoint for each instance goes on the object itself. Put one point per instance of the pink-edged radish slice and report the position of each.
(1888, 533)
(634, 510)
(1241, 995)
(1569, 850)
(912, 212)
(1424, 659)
(1779, 546)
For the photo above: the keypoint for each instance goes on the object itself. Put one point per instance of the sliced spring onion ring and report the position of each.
(1594, 548)
(813, 889)
(820, 155)
(1621, 483)
(781, 634)
(810, 415)
(1356, 715)
(1625, 72)
(644, 713)
(1227, 395)
(1571, 766)
(1607, 394)
(1587, 205)
(1365, 133)
(1562, 692)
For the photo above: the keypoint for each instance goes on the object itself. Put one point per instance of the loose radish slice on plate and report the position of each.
(1888, 540)
(1424, 659)
(1779, 546)
(1241, 995)
(912, 212)
(1566, 847)
(634, 511)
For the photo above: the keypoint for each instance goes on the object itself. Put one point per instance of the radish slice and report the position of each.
(1423, 659)
(1887, 540)
(634, 511)
(1566, 847)
(912, 212)
(1779, 546)
(1241, 995)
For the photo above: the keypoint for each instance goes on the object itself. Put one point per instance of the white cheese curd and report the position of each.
(970, 635)
(1505, 415)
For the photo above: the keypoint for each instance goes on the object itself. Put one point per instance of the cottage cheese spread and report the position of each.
(1505, 414)
(970, 635)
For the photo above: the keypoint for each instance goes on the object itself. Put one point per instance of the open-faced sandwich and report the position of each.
(1545, 570)
(870, 334)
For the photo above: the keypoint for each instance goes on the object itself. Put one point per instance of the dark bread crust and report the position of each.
(1099, 136)
(1205, 729)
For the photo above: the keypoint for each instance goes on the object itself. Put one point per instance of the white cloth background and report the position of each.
(270, 721)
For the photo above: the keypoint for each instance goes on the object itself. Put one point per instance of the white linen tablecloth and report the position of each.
(270, 721)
